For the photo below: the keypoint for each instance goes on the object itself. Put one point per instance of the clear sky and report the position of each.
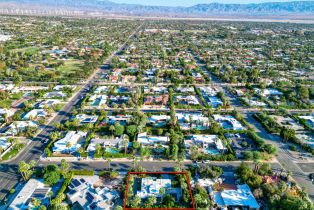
(191, 2)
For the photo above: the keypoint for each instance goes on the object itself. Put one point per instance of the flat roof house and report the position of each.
(228, 122)
(309, 119)
(85, 119)
(144, 139)
(115, 142)
(17, 126)
(206, 141)
(151, 186)
(83, 194)
(48, 103)
(70, 143)
(34, 114)
(98, 100)
(55, 94)
(242, 197)
(34, 188)
(4, 143)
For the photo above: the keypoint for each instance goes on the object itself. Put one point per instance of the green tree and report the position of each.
(51, 175)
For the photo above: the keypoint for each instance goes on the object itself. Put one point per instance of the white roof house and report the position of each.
(208, 91)
(60, 87)
(232, 123)
(48, 103)
(101, 89)
(83, 193)
(199, 121)
(242, 197)
(6, 87)
(29, 89)
(118, 118)
(151, 187)
(151, 140)
(34, 188)
(268, 92)
(55, 94)
(17, 126)
(35, 113)
(8, 112)
(116, 142)
(85, 119)
(185, 89)
(190, 99)
(73, 139)
(208, 140)
(158, 119)
(156, 89)
(98, 100)
(4, 143)
(309, 119)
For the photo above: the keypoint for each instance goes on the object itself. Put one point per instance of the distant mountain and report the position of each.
(297, 9)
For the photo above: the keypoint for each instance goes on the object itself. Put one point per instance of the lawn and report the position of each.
(71, 66)
(14, 151)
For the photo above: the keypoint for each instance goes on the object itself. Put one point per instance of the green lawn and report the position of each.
(14, 151)
(71, 66)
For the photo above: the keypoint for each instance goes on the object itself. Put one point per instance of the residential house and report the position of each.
(186, 100)
(72, 141)
(156, 100)
(34, 188)
(241, 197)
(48, 103)
(144, 139)
(55, 94)
(84, 193)
(85, 119)
(228, 122)
(19, 126)
(151, 186)
(98, 100)
(35, 114)
(210, 144)
(106, 143)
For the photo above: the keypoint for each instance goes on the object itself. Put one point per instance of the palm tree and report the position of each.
(24, 169)
(68, 146)
(80, 151)
(162, 192)
(126, 143)
(198, 199)
(109, 163)
(111, 129)
(49, 195)
(1, 151)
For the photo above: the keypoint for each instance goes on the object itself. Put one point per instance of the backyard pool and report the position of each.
(112, 150)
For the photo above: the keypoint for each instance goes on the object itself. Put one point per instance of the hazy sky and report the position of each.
(191, 2)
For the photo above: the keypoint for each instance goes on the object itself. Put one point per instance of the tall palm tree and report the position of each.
(109, 163)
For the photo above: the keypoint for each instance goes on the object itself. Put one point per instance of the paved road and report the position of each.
(148, 165)
(9, 175)
(284, 159)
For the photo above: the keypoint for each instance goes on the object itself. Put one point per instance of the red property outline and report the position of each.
(139, 173)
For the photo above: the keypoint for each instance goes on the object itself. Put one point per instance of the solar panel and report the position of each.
(89, 197)
(40, 193)
(76, 183)
(82, 180)
(93, 206)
